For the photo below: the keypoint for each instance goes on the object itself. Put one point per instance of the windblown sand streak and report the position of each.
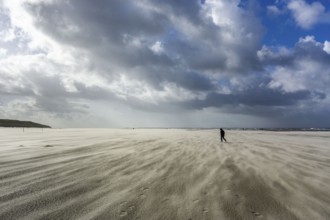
(163, 174)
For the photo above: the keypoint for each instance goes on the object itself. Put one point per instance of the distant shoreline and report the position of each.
(8, 123)
(238, 129)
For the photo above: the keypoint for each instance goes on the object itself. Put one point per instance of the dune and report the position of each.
(163, 174)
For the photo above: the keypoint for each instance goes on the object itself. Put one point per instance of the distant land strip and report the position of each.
(21, 124)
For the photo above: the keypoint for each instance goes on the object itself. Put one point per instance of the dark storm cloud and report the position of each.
(15, 90)
(49, 93)
(209, 50)
(92, 92)
(252, 97)
(60, 106)
(193, 81)
(102, 27)
(158, 78)
(313, 51)
(112, 25)
(107, 29)
(306, 66)
(96, 20)
(304, 49)
(181, 8)
(218, 48)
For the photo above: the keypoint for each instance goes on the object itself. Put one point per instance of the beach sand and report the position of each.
(163, 174)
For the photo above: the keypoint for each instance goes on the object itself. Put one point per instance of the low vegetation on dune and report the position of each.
(24, 124)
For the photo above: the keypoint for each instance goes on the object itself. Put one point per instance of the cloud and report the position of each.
(326, 47)
(304, 67)
(135, 44)
(307, 15)
(274, 10)
(68, 59)
(254, 97)
(157, 47)
(3, 51)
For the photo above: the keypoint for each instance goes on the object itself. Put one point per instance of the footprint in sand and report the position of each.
(142, 196)
(165, 200)
(256, 214)
(123, 203)
(48, 145)
(131, 208)
(145, 188)
(196, 200)
(237, 199)
(123, 213)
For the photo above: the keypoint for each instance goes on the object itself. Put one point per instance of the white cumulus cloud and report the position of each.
(307, 15)
(326, 47)
(273, 9)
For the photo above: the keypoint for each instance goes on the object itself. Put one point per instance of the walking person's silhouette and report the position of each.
(222, 135)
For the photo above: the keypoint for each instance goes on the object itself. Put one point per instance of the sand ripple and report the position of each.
(163, 174)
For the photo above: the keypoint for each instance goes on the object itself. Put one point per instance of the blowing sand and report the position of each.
(163, 174)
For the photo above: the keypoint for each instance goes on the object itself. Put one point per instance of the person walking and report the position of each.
(222, 135)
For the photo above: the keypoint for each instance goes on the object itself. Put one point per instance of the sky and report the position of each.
(166, 63)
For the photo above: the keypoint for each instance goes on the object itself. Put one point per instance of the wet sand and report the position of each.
(163, 174)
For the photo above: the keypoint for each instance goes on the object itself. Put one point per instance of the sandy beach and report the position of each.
(163, 174)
